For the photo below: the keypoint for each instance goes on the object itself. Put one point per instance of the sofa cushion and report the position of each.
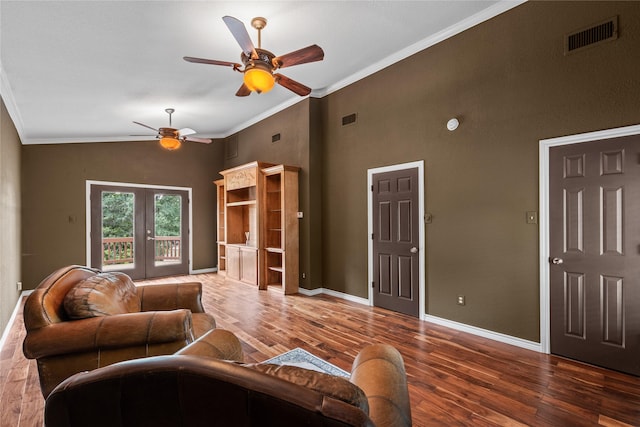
(329, 385)
(104, 294)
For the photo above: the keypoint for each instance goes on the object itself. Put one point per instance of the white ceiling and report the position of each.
(81, 71)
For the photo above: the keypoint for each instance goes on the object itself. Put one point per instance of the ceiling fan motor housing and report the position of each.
(168, 133)
(264, 60)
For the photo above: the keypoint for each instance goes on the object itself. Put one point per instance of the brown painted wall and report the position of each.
(9, 216)
(509, 83)
(54, 186)
(506, 79)
(254, 143)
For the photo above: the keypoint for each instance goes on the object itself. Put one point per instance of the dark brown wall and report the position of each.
(506, 79)
(9, 216)
(54, 189)
(294, 149)
(509, 83)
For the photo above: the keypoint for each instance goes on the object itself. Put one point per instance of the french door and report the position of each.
(143, 232)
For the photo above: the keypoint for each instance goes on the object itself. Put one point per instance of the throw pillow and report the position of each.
(104, 294)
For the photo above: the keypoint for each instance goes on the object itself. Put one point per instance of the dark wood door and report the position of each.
(396, 241)
(595, 252)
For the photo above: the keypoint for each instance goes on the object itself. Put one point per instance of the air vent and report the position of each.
(591, 36)
(275, 138)
(347, 120)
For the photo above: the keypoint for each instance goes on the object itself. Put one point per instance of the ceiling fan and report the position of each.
(260, 64)
(171, 138)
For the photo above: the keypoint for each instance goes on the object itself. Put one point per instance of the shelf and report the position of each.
(278, 269)
(243, 203)
(275, 250)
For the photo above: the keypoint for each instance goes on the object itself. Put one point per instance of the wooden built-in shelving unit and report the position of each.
(257, 215)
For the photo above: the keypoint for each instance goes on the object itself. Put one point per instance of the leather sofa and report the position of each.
(79, 319)
(194, 388)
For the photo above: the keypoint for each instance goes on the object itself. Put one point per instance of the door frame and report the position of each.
(545, 145)
(88, 185)
(421, 228)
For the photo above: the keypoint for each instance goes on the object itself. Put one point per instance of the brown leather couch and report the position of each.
(80, 319)
(193, 388)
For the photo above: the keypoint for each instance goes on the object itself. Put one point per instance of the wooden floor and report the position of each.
(455, 379)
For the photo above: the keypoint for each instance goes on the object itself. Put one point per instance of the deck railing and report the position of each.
(119, 250)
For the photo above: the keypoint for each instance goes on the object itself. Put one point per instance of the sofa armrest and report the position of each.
(171, 296)
(110, 332)
(379, 371)
(215, 344)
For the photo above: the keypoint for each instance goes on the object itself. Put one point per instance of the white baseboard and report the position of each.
(331, 292)
(485, 333)
(204, 270)
(12, 318)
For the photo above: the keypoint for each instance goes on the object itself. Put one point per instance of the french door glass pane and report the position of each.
(168, 220)
(118, 223)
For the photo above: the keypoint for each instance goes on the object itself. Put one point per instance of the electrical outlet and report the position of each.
(304, 275)
(461, 300)
(19, 285)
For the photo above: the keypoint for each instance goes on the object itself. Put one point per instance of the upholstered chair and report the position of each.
(79, 319)
(195, 388)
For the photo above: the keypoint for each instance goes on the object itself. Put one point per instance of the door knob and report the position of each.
(150, 238)
(556, 261)
(413, 250)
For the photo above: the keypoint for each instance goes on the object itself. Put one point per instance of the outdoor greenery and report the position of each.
(118, 214)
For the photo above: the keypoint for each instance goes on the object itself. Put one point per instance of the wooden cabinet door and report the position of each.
(249, 265)
(233, 262)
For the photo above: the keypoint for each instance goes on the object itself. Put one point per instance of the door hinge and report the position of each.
(371, 236)
(373, 284)
(372, 188)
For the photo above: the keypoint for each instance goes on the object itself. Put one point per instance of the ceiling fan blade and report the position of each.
(235, 65)
(311, 53)
(243, 91)
(148, 127)
(197, 139)
(186, 131)
(292, 85)
(239, 32)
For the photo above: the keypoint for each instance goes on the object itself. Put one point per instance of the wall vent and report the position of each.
(275, 138)
(591, 36)
(347, 120)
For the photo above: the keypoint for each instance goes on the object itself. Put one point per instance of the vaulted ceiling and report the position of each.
(82, 71)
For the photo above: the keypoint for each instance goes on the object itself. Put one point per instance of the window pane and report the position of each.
(168, 221)
(118, 221)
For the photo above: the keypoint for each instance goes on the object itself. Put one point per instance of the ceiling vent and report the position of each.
(591, 36)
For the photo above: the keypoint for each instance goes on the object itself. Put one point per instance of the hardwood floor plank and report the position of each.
(455, 379)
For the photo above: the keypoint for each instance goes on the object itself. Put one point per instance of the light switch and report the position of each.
(299, 215)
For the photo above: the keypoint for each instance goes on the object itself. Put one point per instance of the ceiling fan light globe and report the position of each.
(259, 80)
(169, 143)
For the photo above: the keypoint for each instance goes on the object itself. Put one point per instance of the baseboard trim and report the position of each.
(485, 333)
(473, 330)
(12, 318)
(204, 270)
(331, 292)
